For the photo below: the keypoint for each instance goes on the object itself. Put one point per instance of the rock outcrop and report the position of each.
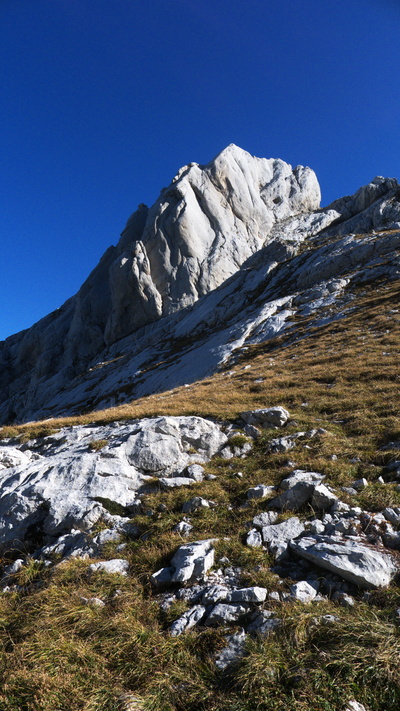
(198, 233)
(60, 491)
(72, 479)
(231, 253)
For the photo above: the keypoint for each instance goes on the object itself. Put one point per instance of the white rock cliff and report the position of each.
(227, 254)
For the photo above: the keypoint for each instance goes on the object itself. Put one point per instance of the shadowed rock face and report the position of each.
(218, 237)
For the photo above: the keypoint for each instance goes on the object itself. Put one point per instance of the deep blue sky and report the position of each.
(102, 101)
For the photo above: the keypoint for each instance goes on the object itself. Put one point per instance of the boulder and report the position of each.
(391, 539)
(214, 594)
(322, 498)
(340, 507)
(303, 477)
(392, 515)
(252, 431)
(265, 518)
(164, 444)
(196, 472)
(260, 491)
(192, 560)
(266, 417)
(317, 526)
(281, 444)
(76, 544)
(227, 614)
(107, 535)
(277, 536)
(304, 591)
(293, 499)
(163, 577)
(183, 527)
(360, 564)
(61, 483)
(254, 539)
(252, 594)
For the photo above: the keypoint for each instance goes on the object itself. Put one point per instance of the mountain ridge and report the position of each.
(227, 533)
(237, 218)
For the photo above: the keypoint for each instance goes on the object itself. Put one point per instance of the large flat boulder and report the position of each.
(354, 561)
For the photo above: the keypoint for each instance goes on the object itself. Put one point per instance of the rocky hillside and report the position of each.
(231, 537)
(231, 254)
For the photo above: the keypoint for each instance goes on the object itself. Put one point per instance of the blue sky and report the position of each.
(102, 101)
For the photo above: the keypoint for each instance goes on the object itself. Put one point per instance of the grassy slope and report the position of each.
(60, 655)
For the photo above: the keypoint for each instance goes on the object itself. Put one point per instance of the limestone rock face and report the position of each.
(203, 226)
(218, 263)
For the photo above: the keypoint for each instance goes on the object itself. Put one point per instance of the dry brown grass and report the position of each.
(345, 373)
(336, 378)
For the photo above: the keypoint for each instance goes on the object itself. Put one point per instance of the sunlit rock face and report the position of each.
(59, 482)
(228, 255)
(201, 229)
(199, 232)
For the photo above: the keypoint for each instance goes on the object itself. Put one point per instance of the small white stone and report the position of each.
(355, 706)
(303, 591)
(260, 491)
(117, 565)
(254, 539)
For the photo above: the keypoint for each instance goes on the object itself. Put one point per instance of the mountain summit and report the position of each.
(227, 254)
(217, 524)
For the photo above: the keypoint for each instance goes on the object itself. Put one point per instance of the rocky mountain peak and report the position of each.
(189, 266)
(266, 487)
